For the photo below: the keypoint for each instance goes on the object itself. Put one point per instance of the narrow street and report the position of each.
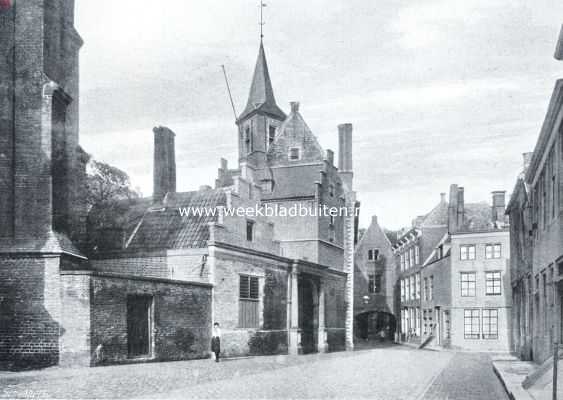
(385, 373)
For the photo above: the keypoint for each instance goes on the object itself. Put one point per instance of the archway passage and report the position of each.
(375, 325)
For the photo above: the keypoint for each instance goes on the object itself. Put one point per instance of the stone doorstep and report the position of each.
(512, 373)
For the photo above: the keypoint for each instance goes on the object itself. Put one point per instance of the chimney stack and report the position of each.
(442, 197)
(460, 207)
(164, 174)
(498, 205)
(330, 157)
(345, 154)
(526, 158)
(452, 209)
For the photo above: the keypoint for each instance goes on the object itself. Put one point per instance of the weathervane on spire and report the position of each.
(262, 23)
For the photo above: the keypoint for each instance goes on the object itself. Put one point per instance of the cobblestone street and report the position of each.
(385, 373)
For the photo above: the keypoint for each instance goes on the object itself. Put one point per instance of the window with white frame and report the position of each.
(492, 283)
(402, 257)
(417, 255)
(417, 286)
(467, 252)
(471, 322)
(490, 324)
(411, 257)
(431, 294)
(426, 298)
(493, 250)
(412, 284)
(468, 284)
(407, 259)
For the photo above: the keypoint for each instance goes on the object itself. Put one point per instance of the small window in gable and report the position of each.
(294, 153)
(373, 254)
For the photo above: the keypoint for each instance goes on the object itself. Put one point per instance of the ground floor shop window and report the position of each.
(471, 324)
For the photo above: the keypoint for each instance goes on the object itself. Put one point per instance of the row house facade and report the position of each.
(461, 290)
(535, 211)
(412, 248)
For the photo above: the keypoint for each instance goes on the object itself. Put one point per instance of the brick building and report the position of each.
(55, 306)
(463, 290)
(375, 284)
(149, 284)
(536, 241)
(413, 247)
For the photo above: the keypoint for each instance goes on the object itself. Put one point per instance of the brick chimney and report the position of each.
(526, 159)
(330, 157)
(452, 209)
(345, 154)
(164, 174)
(460, 206)
(499, 205)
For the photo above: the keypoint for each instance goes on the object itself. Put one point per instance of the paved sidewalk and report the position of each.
(512, 372)
(468, 376)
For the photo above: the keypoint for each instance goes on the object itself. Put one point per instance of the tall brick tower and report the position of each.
(38, 174)
(259, 122)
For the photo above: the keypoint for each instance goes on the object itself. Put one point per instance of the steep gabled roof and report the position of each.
(437, 216)
(261, 97)
(294, 132)
(164, 227)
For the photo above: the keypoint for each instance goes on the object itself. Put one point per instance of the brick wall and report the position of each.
(30, 311)
(272, 306)
(182, 317)
(185, 265)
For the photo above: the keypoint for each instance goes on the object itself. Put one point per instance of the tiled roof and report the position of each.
(164, 227)
(478, 218)
(438, 215)
(149, 226)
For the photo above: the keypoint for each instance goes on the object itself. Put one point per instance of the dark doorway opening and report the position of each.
(308, 318)
(139, 322)
(375, 325)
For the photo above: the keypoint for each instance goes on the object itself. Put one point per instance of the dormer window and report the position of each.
(294, 153)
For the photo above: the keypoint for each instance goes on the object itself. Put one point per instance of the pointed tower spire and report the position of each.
(261, 97)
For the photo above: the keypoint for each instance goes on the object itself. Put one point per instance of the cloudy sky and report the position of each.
(439, 91)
